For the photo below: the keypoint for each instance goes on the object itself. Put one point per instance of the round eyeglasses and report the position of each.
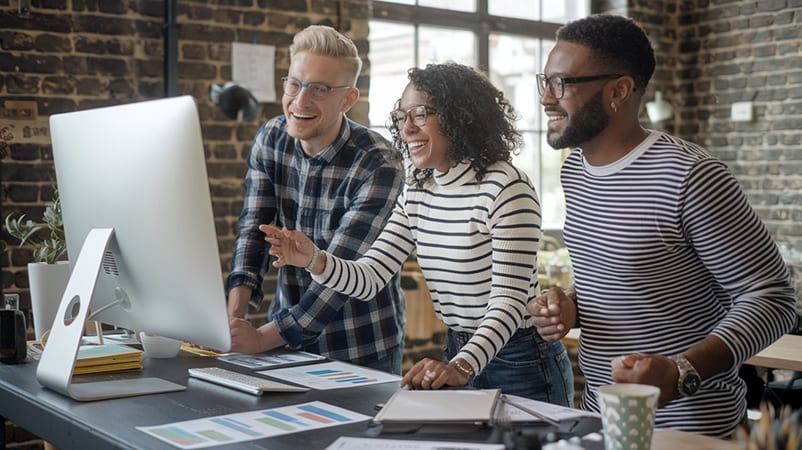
(317, 91)
(419, 114)
(556, 84)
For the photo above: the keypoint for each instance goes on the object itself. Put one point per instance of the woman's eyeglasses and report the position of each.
(318, 91)
(418, 113)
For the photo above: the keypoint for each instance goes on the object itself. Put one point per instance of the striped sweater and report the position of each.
(476, 244)
(666, 250)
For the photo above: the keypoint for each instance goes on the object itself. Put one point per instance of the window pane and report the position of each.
(542, 163)
(439, 45)
(528, 160)
(456, 5)
(392, 53)
(552, 201)
(564, 11)
(514, 61)
(553, 11)
(515, 8)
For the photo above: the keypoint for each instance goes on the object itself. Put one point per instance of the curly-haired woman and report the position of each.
(474, 220)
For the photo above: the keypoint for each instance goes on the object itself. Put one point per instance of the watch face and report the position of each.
(690, 384)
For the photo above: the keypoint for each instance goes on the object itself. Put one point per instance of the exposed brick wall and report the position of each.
(748, 51)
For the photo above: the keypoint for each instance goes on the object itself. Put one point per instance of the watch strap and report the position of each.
(689, 380)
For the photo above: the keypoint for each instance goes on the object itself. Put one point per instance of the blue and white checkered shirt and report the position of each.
(341, 198)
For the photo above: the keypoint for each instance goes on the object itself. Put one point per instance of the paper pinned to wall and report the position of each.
(253, 67)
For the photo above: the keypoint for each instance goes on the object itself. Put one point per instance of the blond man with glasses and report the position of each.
(314, 170)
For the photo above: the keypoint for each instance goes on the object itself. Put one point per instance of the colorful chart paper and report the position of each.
(332, 375)
(252, 425)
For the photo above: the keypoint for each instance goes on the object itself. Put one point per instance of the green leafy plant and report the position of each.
(46, 237)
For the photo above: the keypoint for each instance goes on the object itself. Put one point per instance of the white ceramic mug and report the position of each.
(158, 346)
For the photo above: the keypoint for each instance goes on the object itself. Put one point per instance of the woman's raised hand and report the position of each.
(291, 248)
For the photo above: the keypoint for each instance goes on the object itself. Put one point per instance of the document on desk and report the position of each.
(252, 425)
(113, 338)
(331, 375)
(357, 443)
(271, 360)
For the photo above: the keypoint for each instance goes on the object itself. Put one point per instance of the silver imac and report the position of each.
(140, 236)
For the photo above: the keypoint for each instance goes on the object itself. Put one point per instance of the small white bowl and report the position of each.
(159, 346)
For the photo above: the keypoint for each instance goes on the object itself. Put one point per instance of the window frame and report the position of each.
(480, 22)
(482, 25)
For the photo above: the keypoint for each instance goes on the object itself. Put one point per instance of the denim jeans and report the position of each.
(527, 366)
(390, 363)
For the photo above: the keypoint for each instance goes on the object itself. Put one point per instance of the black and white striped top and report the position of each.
(476, 244)
(666, 250)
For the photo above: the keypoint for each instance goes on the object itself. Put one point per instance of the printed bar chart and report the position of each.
(253, 425)
(332, 375)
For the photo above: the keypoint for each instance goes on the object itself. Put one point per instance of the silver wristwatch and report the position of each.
(689, 380)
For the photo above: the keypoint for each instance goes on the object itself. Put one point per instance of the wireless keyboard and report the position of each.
(243, 382)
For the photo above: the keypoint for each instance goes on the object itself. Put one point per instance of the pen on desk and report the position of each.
(530, 411)
(198, 350)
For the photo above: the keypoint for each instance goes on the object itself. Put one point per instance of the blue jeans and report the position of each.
(527, 366)
(390, 363)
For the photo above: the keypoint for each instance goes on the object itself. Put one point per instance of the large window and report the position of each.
(508, 39)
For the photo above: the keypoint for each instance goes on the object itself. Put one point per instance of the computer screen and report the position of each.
(140, 232)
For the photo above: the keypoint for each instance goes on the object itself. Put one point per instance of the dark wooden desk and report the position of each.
(111, 424)
(69, 424)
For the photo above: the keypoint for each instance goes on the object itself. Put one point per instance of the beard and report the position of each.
(583, 126)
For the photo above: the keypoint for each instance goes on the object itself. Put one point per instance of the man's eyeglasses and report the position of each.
(556, 84)
(418, 113)
(318, 91)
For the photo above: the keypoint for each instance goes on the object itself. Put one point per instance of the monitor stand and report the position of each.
(58, 357)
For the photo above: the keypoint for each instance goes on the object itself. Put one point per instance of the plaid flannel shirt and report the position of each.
(341, 198)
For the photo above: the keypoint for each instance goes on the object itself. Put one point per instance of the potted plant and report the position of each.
(48, 247)
(48, 273)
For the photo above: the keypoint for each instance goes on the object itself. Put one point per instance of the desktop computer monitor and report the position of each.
(140, 235)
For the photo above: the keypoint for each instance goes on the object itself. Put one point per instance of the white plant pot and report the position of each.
(47, 284)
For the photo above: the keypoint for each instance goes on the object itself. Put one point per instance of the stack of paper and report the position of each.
(107, 358)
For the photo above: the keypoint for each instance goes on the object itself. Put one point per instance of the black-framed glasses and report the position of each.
(318, 91)
(419, 114)
(556, 83)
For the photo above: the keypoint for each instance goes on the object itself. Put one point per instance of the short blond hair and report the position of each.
(326, 41)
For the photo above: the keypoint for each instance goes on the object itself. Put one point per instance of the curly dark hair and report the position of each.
(618, 43)
(472, 113)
